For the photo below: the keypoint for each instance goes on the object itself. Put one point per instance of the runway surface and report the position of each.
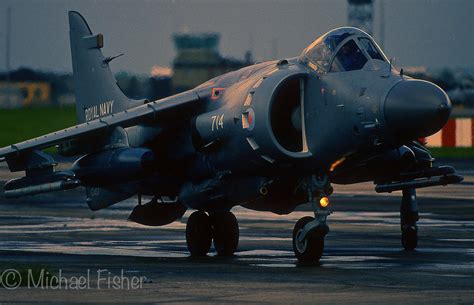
(363, 262)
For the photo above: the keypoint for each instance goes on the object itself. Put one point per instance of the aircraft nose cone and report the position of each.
(416, 108)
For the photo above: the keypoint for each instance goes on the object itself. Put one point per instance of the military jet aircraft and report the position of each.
(269, 137)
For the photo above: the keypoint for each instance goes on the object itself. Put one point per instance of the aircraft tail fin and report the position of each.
(97, 92)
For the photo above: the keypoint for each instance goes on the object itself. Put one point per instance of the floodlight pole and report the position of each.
(7, 44)
(7, 51)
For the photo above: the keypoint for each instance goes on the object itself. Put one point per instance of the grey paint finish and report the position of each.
(242, 146)
(97, 94)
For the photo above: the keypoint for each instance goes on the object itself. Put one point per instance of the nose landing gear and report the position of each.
(309, 232)
(408, 218)
(308, 239)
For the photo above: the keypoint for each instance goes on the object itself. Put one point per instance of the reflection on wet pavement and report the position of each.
(119, 237)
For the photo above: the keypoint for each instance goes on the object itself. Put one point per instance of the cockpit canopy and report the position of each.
(342, 49)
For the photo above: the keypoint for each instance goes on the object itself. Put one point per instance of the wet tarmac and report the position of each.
(363, 262)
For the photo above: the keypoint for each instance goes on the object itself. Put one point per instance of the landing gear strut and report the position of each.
(408, 218)
(202, 229)
(309, 232)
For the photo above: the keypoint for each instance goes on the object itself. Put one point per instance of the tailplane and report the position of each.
(97, 92)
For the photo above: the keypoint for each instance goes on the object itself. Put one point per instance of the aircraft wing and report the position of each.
(147, 112)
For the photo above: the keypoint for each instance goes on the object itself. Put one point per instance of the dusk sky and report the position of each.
(433, 33)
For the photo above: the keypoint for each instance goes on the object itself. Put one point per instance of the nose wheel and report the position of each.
(202, 229)
(309, 232)
(309, 248)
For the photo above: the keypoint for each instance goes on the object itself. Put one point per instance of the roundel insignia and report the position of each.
(248, 119)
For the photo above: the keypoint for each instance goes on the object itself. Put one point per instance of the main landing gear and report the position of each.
(309, 232)
(203, 228)
(408, 218)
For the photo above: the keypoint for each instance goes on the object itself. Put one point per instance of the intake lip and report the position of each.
(416, 108)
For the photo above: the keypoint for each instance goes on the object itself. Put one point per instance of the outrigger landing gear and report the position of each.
(202, 229)
(408, 218)
(309, 232)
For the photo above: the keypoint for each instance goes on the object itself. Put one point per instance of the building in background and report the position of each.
(198, 59)
(360, 14)
(24, 94)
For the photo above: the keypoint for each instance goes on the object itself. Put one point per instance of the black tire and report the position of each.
(199, 234)
(225, 233)
(312, 248)
(409, 238)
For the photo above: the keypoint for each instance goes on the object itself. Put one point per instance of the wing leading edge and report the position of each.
(147, 112)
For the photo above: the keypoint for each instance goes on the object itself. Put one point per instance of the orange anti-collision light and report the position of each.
(324, 202)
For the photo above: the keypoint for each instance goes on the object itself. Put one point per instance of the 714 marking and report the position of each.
(217, 122)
